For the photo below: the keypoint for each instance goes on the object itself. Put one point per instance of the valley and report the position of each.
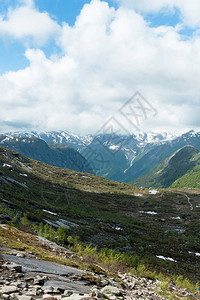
(117, 157)
(99, 150)
(158, 228)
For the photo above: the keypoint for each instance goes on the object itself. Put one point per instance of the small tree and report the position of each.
(15, 219)
(41, 229)
(24, 221)
(61, 235)
(48, 232)
(51, 233)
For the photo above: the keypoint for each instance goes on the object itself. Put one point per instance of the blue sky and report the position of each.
(165, 17)
(62, 10)
(56, 73)
(12, 52)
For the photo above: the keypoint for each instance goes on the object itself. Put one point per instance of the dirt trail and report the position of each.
(188, 199)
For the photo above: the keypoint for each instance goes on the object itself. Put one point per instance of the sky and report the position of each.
(87, 65)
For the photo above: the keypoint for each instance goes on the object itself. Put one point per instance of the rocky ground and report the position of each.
(24, 277)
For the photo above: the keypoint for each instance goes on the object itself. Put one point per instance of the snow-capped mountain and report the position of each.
(58, 137)
(121, 157)
(53, 154)
(151, 157)
(78, 142)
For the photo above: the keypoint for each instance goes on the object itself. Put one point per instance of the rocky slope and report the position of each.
(23, 276)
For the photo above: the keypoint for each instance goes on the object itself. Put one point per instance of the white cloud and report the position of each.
(190, 10)
(147, 6)
(27, 2)
(107, 56)
(28, 24)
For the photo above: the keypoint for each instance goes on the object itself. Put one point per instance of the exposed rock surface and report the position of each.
(56, 282)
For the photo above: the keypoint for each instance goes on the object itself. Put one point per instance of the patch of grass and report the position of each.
(106, 261)
(15, 239)
(113, 261)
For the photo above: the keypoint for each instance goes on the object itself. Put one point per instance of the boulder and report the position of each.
(20, 284)
(96, 293)
(8, 289)
(14, 267)
(111, 290)
(39, 281)
(49, 297)
(76, 297)
(67, 293)
(25, 297)
(20, 255)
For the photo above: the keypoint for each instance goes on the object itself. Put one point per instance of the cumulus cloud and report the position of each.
(190, 10)
(147, 6)
(108, 55)
(28, 24)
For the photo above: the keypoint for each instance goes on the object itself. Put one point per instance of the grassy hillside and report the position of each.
(172, 168)
(104, 213)
(192, 178)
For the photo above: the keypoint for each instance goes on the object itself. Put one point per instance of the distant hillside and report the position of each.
(55, 154)
(171, 169)
(192, 178)
(150, 157)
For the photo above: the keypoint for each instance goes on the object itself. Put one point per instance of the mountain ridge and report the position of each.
(56, 155)
(117, 152)
(119, 157)
(171, 169)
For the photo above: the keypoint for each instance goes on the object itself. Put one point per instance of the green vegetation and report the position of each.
(103, 213)
(189, 180)
(106, 261)
(53, 154)
(172, 169)
(59, 236)
(113, 261)
(25, 222)
(23, 241)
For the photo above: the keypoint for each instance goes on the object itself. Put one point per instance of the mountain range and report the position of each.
(53, 154)
(116, 157)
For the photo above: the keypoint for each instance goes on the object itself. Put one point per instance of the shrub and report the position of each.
(49, 232)
(25, 222)
(41, 229)
(61, 235)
